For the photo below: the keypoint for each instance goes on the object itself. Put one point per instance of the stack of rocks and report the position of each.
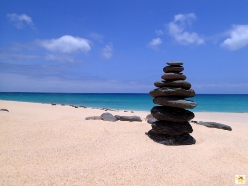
(171, 124)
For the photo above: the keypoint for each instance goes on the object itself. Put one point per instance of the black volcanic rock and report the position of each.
(175, 83)
(171, 128)
(171, 114)
(173, 76)
(174, 102)
(183, 139)
(174, 63)
(4, 110)
(171, 91)
(151, 120)
(108, 117)
(173, 69)
(211, 124)
(93, 118)
(128, 118)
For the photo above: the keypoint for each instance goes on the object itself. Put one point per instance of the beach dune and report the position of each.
(41, 144)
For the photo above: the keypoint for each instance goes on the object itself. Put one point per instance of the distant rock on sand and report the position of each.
(93, 118)
(128, 118)
(109, 117)
(4, 110)
(213, 125)
(170, 124)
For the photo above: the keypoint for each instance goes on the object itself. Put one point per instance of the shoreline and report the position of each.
(43, 144)
(100, 108)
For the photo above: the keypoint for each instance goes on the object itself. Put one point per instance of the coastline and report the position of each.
(43, 144)
(231, 103)
(116, 109)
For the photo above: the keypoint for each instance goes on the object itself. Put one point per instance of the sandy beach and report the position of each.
(43, 145)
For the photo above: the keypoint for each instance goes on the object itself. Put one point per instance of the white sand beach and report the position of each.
(41, 144)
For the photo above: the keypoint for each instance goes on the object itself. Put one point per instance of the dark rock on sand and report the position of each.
(174, 63)
(173, 76)
(169, 91)
(214, 125)
(128, 118)
(149, 116)
(183, 139)
(151, 120)
(171, 114)
(93, 118)
(173, 69)
(170, 83)
(172, 128)
(174, 102)
(4, 110)
(108, 117)
(53, 103)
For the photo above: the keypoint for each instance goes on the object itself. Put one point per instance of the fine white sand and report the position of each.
(41, 144)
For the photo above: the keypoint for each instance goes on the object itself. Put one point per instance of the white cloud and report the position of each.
(66, 44)
(155, 42)
(107, 51)
(177, 30)
(238, 38)
(159, 32)
(20, 20)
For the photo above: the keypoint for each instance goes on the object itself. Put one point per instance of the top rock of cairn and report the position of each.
(175, 63)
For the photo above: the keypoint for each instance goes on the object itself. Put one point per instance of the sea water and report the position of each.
(142, 102)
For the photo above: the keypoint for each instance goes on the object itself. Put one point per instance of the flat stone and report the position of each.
(173, 69)
(93, 118)
(6, 110)
(173, 76)
(172, 128)
(151, 120)
(128, 118)
(174, 102)
(170, 91)
(214, 125)
(149, 116)
(172, 114)
(108, 117)
(183, 139)
(174, 63)
(170, 83)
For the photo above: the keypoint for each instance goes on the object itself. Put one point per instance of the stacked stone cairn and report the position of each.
(170, 125)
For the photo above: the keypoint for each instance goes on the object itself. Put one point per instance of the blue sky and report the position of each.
(96, 46)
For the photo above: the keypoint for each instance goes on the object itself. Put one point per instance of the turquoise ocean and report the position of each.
(142, 102)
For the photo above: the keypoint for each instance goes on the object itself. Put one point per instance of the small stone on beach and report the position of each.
(4, 110)
(108, 117)
(128, 118)
(213, 125)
